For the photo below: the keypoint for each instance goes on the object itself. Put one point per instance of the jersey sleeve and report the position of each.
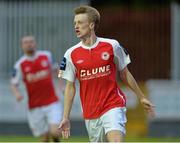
(49, 55)
(54, 65)
(16, 74)
(67, 68)
(121, 55)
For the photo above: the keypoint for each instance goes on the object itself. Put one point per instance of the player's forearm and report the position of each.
(129, 80)
(68, 99)
(15, 90)
(134, 86)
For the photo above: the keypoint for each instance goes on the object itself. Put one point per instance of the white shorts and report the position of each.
(113, 119)
(41, 117)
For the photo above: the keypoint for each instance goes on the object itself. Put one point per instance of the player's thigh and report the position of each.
(95, 130)
(54, 116)
(54, 113)
(114, 122)
(37, 122)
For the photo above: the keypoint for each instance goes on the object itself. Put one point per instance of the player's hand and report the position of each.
(19, 98)
(148, 106)
(64, 127)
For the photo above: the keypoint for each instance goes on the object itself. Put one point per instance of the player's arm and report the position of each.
(16, 92)
(67, 71)
(14, 83)
(68, 98)
(68, 101)
(122, 59)
(129, 80)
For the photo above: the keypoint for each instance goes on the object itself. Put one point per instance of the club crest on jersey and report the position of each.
(105, 55)
(27, 69)
(44, 63)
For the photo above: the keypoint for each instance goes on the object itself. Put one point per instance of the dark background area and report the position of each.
(143, 28)
(137, 3)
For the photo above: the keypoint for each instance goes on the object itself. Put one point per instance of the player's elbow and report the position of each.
(124, 75)
(70, 89)
(13, 86)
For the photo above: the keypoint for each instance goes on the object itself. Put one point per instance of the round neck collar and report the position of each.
(92, 46)
(31, 57)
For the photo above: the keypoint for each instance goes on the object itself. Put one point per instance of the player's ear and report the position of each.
(92, 25)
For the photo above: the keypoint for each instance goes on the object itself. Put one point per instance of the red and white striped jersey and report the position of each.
(36, 72)
(95, 69)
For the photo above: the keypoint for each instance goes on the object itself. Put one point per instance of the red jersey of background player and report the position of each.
(36, 72)
(95, 69)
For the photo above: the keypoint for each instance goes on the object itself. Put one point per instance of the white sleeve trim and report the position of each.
(67, 68)
(16, 77)
(119, 53)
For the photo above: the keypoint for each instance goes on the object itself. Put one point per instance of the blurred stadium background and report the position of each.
(148, 29)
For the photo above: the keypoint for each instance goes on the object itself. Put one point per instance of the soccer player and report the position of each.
(94, 62)
(35, 69)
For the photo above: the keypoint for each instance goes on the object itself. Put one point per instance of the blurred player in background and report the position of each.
(94, 62)
(35, 68)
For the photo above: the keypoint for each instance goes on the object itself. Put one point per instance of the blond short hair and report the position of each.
(93, 14)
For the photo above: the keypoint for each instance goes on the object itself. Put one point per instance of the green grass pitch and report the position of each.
(85, 139)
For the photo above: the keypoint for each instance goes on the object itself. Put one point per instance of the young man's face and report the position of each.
(82, 25)
(28, 45)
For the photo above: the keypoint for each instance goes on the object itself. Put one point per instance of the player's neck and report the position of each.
(89, 40)
(30, 54)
